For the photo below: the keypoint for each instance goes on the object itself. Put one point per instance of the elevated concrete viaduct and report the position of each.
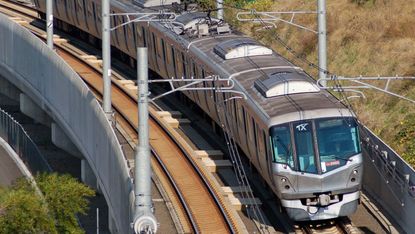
(51, 93)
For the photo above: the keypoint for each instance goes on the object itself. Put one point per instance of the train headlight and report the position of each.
(284, 180)
(355, 172)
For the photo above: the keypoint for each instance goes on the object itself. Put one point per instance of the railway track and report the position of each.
(341, 225)
(198, 202)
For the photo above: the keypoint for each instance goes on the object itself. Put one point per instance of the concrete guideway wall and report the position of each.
(41, 74)
(389, 180)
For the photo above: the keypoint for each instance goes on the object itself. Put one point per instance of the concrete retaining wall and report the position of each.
(389, 180)
(42, 75)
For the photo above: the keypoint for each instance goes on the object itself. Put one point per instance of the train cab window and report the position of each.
(281, 145)
(304, 145)
(338, 140)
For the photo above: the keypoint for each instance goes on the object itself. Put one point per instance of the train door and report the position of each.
(130, 40)
(204, 94)
(262, 152)
(251, 142)
(58, 9)
(161, 56)
(95, 15)
(79, 14)
(90, 20)
(114, 21)
(170, 62)
(68, 11)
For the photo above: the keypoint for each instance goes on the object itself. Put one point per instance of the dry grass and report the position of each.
(371, 38)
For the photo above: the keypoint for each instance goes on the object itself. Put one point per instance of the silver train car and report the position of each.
(301, 139)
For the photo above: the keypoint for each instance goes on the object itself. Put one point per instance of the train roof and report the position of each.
(248, 63)
(270, 71)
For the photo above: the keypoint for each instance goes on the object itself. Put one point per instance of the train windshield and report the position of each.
(320, 145)
(282, 147)
(338, 140)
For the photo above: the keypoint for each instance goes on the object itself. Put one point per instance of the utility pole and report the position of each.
(219, 6)
(106, 57)
(322, 41)
(144, 220)
(49, 23)
(269, 17)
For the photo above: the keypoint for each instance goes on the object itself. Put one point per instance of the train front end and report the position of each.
(317, 167)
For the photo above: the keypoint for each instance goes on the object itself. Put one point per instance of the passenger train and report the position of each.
(303, 141)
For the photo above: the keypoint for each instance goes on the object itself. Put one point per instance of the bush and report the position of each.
(66, 197)
(22, 210)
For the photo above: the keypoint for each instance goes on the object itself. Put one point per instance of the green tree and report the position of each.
(66, 198)
(22, 211)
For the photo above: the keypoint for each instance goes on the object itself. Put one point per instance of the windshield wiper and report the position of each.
(345, 159)
(287, 151)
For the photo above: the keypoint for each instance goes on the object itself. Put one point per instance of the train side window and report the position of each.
(184, 65)
(248, 126)
(154, 43)
(174, 61)
(144, 36)
(194, 74)
(254, 136)
(163, 47)
(264, 143)
(85, 13)
(244, 120)
(125, 31)
(134, 35)
(115, 21)
(205, 85)
(235, 111)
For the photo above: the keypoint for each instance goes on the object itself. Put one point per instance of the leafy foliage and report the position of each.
(406, 138)
(66, 198)
(22, 210)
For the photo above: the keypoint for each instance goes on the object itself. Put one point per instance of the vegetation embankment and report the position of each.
(23, 210)
(365, 37)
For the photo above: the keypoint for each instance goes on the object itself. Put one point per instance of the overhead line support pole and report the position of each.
(219, 6)
(49, 23)
(106, 57)
(144, 220)
(322, 41)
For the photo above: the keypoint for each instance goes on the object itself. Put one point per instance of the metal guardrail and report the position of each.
(389, 180)
(14, 134)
